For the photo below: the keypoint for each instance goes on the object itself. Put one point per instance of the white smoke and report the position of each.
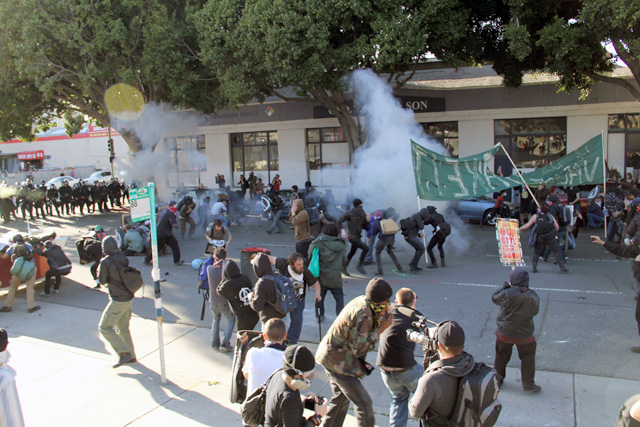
(154, 161)
(383, 175)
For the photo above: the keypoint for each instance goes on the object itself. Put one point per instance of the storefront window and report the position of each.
(254, 152)
(328, 158)
(531, 143)
(446, 133)
(187, 153)
(629, 125)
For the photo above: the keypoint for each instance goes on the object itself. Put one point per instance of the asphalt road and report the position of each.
(586, 322)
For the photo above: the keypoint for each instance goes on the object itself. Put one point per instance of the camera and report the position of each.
(425, 336)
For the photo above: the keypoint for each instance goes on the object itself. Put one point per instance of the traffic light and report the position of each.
(110, 145)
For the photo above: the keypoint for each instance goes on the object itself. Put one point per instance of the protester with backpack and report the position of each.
(518, 305)
(117, 315)
(23, 270)
(59, 265)
(386, 240)
(435, 397)
(236, 287)
(440, 232)
(263, 298)
(545, 229)
(563, 217)
(293, 267)
(219, 304)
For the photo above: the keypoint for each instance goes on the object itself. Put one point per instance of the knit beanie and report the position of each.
(300, 358)
(378, 290)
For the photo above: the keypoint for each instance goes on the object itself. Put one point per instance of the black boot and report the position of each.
(563, 269)
(344, 271)
(361, 269)
(442, 263)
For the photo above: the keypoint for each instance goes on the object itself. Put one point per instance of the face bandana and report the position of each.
(378, 308)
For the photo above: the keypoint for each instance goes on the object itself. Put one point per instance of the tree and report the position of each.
(58, 56)
(566, 37)
(260, 48)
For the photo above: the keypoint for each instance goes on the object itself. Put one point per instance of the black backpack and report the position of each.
(564, 215)
(185, 200)
(89, 249)
(130, 277)
(544, 225)
(286, 298)
(405, 225)
(254, 406)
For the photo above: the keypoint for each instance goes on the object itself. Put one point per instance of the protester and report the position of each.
(293, 267)
(437, 390)
(260, 363)
(117, 315)
(219, 304)
(132, 242)
(236, 287)
(166, 223)
(332, 256)
(344, 348)
(285, 406)
(59, 265)
(21, 252)
(300, 221)
(356, 219)
(398, 367)
(10, 409)
(263, 297)
(518, 305)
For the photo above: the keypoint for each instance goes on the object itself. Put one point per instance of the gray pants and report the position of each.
(345, 389)
(114, 326)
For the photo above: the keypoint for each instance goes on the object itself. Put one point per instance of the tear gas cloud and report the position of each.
(383, 175)
(154, 161)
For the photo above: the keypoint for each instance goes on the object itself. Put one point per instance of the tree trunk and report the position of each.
(338, 105)
(132, 140)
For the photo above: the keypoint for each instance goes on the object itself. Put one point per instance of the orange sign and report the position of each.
(507, 233)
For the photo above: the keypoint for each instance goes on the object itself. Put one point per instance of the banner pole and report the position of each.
(424, 238)
(519, 174)
(604, 183)
(155, 275)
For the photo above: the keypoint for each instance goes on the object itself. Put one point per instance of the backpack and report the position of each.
(286, 298)
(544, 225)
(389, 226)
(443, 230)
(23, 269)
(565, 216)
(184, 201)
(276, 202)
(130, 277)
(253, 407)
(21, 250)
(89, 249)
(203, 283)
(477, 403)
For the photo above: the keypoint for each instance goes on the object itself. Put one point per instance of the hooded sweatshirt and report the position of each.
(108, 272)
(264, 291)
(10, 409)
(438, 389)
(301, 222)
(235, 287)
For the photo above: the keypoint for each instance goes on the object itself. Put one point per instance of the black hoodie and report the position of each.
(264, 291)
(109, 274)
(235, 287)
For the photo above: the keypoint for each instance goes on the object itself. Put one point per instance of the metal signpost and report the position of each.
(143, 202)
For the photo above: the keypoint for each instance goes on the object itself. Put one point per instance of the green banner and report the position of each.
(443, 178)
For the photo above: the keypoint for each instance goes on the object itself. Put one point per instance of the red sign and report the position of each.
(31, 155)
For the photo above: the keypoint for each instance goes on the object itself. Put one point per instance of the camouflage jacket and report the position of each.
(353, 334)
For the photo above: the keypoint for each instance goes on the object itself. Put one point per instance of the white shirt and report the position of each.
(218, 208)
(260, 364)
(10, 410)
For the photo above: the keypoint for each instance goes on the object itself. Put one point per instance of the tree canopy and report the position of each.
(257, 48)
(58, 56)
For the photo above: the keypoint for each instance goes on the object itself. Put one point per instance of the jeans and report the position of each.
(388, 245)
(612, 229)
(276, 222)
(344, 389)
(371, 245)
(401, 385)
(295, 327)
(218, 310)
(338, 295)
(594, 220)
(527, 355)
(417, 244)
(114, 326)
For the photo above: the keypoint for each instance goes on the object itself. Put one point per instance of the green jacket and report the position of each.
(351, 336)
(333, 255)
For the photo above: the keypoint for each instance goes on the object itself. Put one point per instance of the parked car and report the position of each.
(59, 180)
(480, 208)
(103, 176)
(285, 195)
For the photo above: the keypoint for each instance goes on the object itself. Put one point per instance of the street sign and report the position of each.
(140, 204)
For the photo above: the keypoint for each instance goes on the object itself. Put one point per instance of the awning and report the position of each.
(31, 155)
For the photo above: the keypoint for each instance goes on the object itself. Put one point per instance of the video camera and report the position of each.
(426, 336)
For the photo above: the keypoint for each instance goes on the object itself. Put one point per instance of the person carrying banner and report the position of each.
(546, 230)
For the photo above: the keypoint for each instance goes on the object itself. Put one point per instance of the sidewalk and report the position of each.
(65, 378)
